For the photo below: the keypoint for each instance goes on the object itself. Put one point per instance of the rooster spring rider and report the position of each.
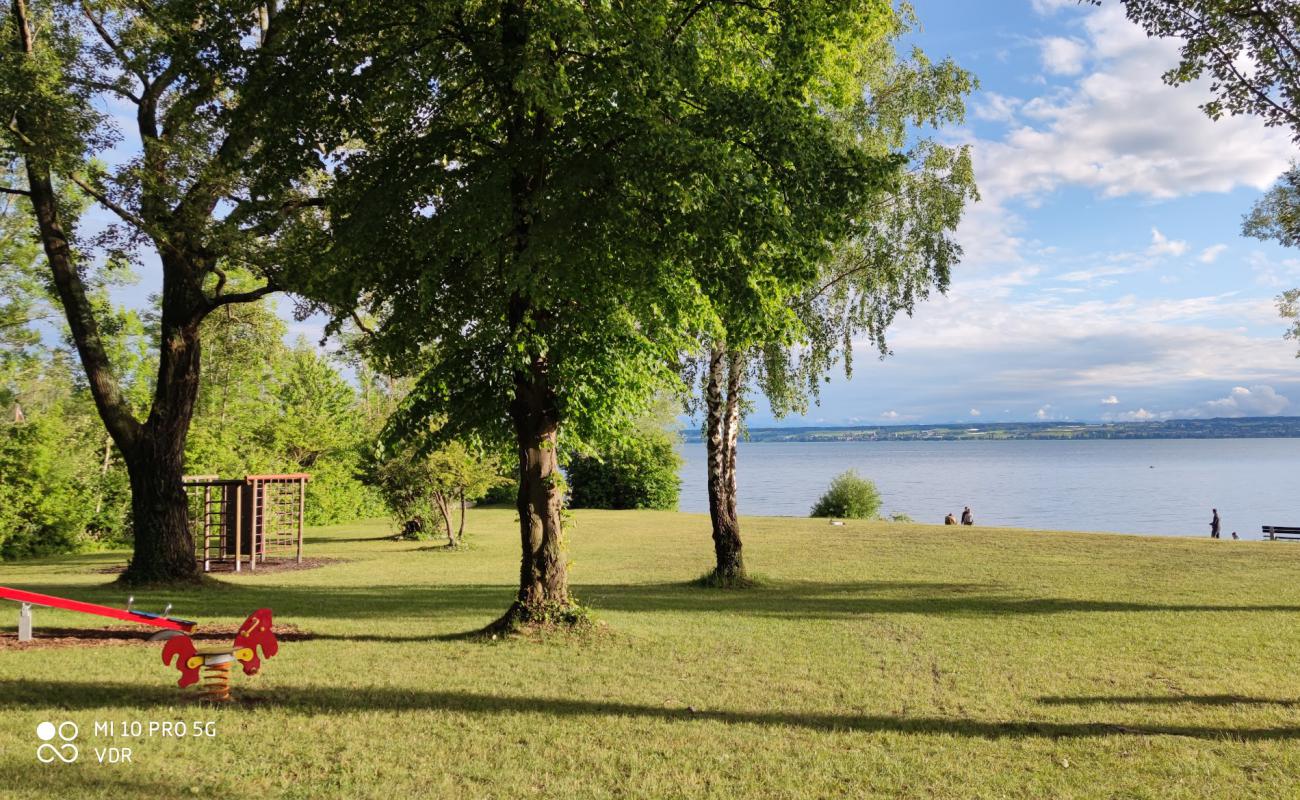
(216, 663)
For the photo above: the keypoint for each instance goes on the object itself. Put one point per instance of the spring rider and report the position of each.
(216, 663)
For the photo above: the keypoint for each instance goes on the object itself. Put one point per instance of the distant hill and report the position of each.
(1219, 428)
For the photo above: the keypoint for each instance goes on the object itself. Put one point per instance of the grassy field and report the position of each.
(877, 660)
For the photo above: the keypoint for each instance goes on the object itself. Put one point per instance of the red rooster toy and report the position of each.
(216, 663)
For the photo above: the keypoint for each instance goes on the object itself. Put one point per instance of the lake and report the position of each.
(1161, 486)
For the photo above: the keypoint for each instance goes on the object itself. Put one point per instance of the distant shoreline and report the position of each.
(1218, 428)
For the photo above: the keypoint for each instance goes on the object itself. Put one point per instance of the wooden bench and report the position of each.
(1281, 532)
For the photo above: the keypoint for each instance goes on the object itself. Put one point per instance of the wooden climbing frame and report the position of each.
(244, 521)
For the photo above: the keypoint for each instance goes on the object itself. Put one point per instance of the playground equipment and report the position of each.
(28, 599)
(216, 663)
(243, 520)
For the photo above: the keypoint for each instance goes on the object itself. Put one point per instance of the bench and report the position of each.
(1281, 532)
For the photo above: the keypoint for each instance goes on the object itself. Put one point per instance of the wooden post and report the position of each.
(256, 523)
(207, 527)
(302, 507)
(239, 534)
(25, 622)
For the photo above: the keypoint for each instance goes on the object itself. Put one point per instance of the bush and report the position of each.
(638, 473)
(43, 491)
(850, 497)
(504, 494)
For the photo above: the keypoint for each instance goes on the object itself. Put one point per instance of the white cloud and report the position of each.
(1256, 401)
(1062, 56)
(1112, 400)
(1121, 131)
(994, 107)
(1086, 275)
(1161, 245)
(890, 415)
(1052, 6)
(974, 412)
(1043, 412)
(1209, 254)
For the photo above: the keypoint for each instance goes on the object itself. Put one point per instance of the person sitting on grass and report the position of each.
(950, 519)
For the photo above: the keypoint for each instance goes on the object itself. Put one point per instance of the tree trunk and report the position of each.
(460, 532)
(543, 573)
(440, 500)
(722, 399)
(163, 550)
(164, 546)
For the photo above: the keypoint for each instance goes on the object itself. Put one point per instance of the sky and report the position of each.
(1104, 275)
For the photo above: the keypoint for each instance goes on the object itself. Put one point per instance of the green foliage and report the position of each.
(639, 471)
(1247, 50)
(1277, 217)
(416, 485)
(270, 408)
(1288, 305)
(505, 493)
(850, 497)
(572, 185)
(43, 489)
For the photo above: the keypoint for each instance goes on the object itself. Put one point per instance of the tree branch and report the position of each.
(242, 297)
(117, 209)
(22, 192)
(112, 45)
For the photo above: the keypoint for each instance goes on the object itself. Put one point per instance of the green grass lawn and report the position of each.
(876, 660)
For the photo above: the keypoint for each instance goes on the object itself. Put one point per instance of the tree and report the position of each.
(415, 483)
(203, 192)
(540, 202)
(897, 250)
(1277, 216)
(1251, 50)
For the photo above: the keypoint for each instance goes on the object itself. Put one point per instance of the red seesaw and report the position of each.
(29, 599)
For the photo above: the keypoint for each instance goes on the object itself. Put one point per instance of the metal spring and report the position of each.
(216, 683)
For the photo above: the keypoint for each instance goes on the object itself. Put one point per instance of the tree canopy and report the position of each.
(541, 205)
(1249, 50)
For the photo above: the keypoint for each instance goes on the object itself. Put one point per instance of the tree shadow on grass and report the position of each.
(792, 601)
(832, 600)
(1170, 700)
(44, 695)
(235, 599)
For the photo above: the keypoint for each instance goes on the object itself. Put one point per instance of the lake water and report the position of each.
(1162, 486)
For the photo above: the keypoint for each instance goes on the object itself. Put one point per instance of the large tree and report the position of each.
(894, 253)
(540, 200)
(195, 81)
(1250, 49)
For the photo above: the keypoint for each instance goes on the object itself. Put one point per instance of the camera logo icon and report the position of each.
(64, 750)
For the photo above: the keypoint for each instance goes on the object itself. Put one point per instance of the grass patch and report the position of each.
(712, 580)
(875, 659)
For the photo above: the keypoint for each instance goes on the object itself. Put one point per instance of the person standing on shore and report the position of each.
(967, 518)
(1214, 524)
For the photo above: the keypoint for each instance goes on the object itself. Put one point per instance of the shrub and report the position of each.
(641, 472)
(43, 493)
(503, 494)
(850, 496)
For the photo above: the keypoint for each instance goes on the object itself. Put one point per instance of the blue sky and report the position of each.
(1104, 276)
